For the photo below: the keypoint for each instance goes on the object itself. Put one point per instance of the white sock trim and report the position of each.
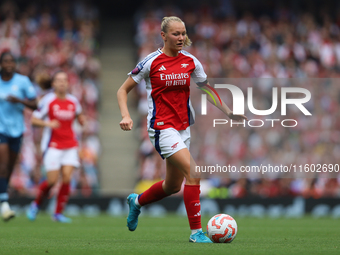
(5, 207)
(137, 202)
(194, 231)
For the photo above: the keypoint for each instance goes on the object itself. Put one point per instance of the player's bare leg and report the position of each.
(44, 189)
(173, 179)
(183, 161)
(172, 184)
(63, 195)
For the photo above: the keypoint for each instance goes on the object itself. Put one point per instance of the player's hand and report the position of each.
(126, 124)
(54, 124)
(240, 117)
(13, 99)
(82, 119)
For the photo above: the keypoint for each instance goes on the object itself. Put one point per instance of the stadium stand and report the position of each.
(46, 38)
(234, 43)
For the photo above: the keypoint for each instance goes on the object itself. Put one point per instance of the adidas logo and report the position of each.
(162, 68)
(197, 214)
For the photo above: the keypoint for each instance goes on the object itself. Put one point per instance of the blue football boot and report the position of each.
(134, 211)
(199, 237)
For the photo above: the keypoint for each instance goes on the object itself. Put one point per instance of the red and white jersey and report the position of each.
(65, 111)
(168, 88)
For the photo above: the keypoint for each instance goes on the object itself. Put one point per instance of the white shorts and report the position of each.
(169, 141)
(55, 158)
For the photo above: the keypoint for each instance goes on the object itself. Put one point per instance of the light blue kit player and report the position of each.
(16, 93)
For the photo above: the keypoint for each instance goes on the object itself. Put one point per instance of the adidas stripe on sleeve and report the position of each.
(142, 69)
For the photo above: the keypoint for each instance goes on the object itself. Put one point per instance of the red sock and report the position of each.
(191, 196)
(62, 198)
(153, 194)
(44, 188)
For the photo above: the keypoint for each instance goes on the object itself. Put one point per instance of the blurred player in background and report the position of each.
(43, 79)
(16, 93)
(167, 73)
(56, 113)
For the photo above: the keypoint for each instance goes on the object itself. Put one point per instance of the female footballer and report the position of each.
(167, 74)
(16, 92)
(56, 113)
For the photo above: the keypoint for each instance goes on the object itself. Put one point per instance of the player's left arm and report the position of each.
(81, 118)
(218, 102)
(29, 94)
(29, 103)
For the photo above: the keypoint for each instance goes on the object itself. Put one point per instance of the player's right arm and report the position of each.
(140, 72)
(42, 123)
(39, 116)
(126, 123)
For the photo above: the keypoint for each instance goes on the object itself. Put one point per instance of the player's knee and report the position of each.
(66, 179)
(173, 189)
(51, 181)
(176, 190)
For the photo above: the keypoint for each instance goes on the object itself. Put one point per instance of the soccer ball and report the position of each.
(222, 228)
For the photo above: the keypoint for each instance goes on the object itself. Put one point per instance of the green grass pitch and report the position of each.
(168, 235)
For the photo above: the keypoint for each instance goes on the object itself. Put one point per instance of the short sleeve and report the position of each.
(43, 107)
(198, 75)
(142, 69)
(140, 72)
(29, 90)
(78, 107)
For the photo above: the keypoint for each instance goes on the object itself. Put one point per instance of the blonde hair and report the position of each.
(165, 26)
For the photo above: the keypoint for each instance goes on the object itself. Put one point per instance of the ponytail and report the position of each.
(44, 81)
(187, 41)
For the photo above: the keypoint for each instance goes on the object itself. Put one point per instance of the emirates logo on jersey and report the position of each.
(55, 107)
(63, 114)
(174, 76)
